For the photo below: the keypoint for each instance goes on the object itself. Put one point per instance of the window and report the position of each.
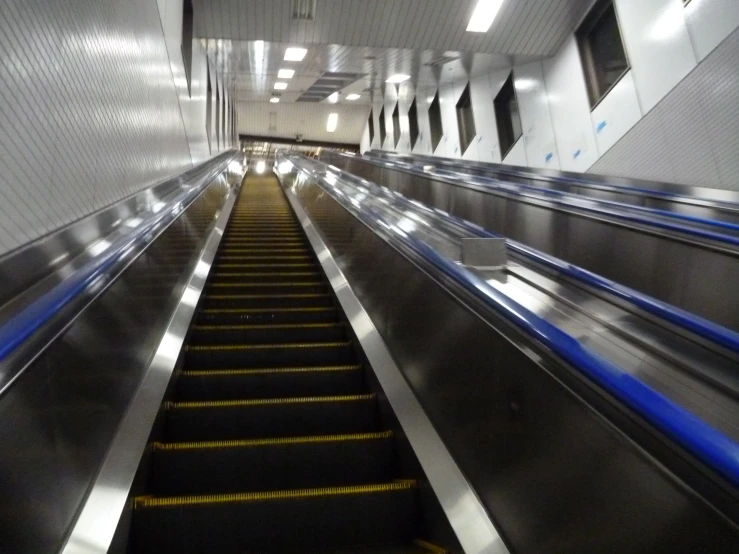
(187, 22)
(208, 106)
(465, 120)
(602, 51)
(413, 123)
(507, 117)
(371, 125)
(218, 116)
(435, 127)
(382, 127)
(396, 126)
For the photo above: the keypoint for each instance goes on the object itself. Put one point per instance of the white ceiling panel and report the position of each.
(287, 120)
(522, 27)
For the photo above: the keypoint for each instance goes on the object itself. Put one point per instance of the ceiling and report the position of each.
(373, 39)
(524, 27)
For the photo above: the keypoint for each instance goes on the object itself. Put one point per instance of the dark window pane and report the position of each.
(436, 129)
(413, 123)
(383, 134)
(371, 123)
(465, 120)
(187, 23)
(507, 117)
(396, 126)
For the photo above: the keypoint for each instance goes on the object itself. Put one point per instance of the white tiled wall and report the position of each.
(669, 118)
(90, 108)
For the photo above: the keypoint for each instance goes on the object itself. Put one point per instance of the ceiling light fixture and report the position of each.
(274, 100)
(280, 86)
(285, 73)
(334, 98)
(353, 96)
(483, 16)
(333, 121)
(295, 54)
(399, 78)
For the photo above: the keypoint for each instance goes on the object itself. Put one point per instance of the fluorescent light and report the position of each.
(353, 96)
(399, 78)
(333, 121)
(274, 100)
(285, 73)
(334, 98)
(261, 166)
(483, 16)
(295, 54)
(280, 86)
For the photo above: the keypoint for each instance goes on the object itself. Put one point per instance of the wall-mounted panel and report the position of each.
(709, 23)
(538, 135)
(657, 45)
(616, 114)
(570, 110)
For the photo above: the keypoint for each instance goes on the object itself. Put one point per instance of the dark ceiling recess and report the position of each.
(303, 10)
(327, 84)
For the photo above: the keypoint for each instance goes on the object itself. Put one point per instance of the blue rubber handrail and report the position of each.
(24, 324)
(574, 180)
(712, 447)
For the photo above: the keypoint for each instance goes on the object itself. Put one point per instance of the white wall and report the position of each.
(664, 42)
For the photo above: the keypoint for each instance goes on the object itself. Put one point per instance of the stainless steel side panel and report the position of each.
(555, 475)
(60, 416)
(693, 277)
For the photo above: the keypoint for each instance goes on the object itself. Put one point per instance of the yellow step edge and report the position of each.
(275, 257)
(324, 439)
(239, 498)
(269, 274)
(268, 326)
(267, 371)
(266, 250)
(252, 296)
(282, 346)
(269, 284)
(236, 266)
(267, 401)
(266, 310)
(434, 549)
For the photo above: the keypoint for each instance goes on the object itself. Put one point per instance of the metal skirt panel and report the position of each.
(555, 475)
(61, 415)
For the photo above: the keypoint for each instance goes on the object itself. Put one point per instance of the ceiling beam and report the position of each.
(287, 140)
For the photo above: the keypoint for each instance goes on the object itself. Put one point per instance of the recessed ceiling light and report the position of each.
(353, 96)
(399, 78)
(333, 121)
(274, 100)
(280, 86)
(295, 54)
(483, 16)
(334, 98)
(285, 73)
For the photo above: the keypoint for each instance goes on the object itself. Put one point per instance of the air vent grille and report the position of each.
(303, 10)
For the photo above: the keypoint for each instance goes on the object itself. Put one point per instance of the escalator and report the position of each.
(272, 439)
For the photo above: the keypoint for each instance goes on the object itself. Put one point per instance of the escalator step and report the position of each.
(286, 287)
(269, 355)
(263, 276)
(273, 464)
(307, 519)
(266, 333)
(270, 383)
(267, 315)
(270, 417)
(287, 300)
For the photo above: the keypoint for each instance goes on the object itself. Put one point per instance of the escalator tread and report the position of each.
(272, 440)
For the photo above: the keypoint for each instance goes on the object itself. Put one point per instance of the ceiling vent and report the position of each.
(303, 10)
(327, 84)
(441, 60)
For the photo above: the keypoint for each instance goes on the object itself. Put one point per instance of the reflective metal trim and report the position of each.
(96, 525)
(463, 508)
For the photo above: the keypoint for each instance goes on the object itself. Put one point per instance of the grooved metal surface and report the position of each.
(88, 111)
(690, 136)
